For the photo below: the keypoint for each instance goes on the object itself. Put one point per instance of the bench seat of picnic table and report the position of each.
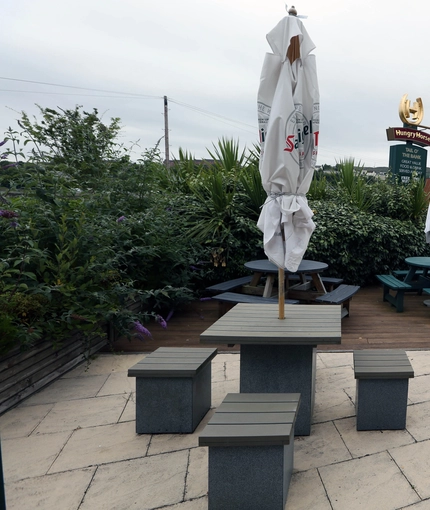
(341, 295)
(391, 283)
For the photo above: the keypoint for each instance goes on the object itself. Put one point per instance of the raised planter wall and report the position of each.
(22, 373)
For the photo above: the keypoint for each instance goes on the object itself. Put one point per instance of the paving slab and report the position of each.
(197, 477)
(77, 444)
(72, 388)
(324, 446)
(423, 505)
(118, 383)
(419, 389)
(52, 492)
(129, 412)
(28, 457)
(90, 412)
(335, 359)
(307, 492)
(101, 445)
(371, 483)
(420, 361)
(106, 363)
(414, 461)
(418, 421)
(332, 405)
(361, 443)
(197, 504)
(146, 483)
(22, 421)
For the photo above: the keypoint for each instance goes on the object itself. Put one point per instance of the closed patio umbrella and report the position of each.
(288, 115)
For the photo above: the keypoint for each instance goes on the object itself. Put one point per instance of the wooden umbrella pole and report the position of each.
(281, 293)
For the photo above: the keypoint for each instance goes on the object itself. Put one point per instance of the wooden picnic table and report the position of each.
(301, 290)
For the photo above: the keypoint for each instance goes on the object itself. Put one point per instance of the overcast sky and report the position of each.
(123, 56)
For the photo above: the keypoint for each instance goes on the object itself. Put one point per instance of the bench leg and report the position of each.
(249, 477)
(381, 404)
(397, 300)
(281, 369)
(172, 405)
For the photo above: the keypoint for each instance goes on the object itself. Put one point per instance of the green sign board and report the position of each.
(406, 160)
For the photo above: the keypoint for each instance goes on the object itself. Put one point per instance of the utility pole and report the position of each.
(166, 132)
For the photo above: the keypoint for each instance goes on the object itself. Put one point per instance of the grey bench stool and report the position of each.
(173, 389)
(251, 451)
(382, 388)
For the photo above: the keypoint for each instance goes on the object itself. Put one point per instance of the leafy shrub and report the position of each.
(358, 245)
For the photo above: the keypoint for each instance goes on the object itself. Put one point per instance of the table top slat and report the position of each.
(254, 324)
(246, 434)
(262, 397)
(253, 418)
(257, 407)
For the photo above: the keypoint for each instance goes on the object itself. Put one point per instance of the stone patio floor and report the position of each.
(73, 446)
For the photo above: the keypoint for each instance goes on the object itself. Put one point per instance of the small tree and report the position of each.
(75, 140)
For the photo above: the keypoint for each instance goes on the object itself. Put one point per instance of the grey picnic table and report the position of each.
(278, 356)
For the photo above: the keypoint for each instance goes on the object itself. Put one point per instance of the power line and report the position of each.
(70, 94)
(80, 88)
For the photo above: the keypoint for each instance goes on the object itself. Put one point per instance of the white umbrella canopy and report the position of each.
(288, 115)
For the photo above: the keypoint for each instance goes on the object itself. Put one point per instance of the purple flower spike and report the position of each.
(161, 321)
(121, 219)
(13, 224)
(141, 330)
(3, 142)
(8, 214)
(205, 298)
(169, 315)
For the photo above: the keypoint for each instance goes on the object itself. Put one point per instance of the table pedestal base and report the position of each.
(281, 369)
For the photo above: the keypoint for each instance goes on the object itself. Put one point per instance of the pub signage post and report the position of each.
(410, 158)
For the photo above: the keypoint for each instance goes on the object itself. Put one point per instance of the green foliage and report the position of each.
(76, 141)
(318, 187)
(358, 245)
(351, 184)
(84, 231)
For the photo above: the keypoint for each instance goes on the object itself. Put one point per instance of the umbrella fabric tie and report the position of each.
(273, 195)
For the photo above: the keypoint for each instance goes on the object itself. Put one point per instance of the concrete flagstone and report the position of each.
(423, 505)
(361, 443)
(129, 412)
(307, 492)
(54, 492)
(28, 457)
(420, 361)
(106, 363)
(414, 461)
(324, 446)
(197, 478)
(196, 504)
(73, 414)
(69, 389)
(118, 383)
(373, 483)
(418, 421)
(419, 389)
(332, 405)
(335, 359)
(21, 421)
(101, 445)
(145, 483)
(73, 445)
